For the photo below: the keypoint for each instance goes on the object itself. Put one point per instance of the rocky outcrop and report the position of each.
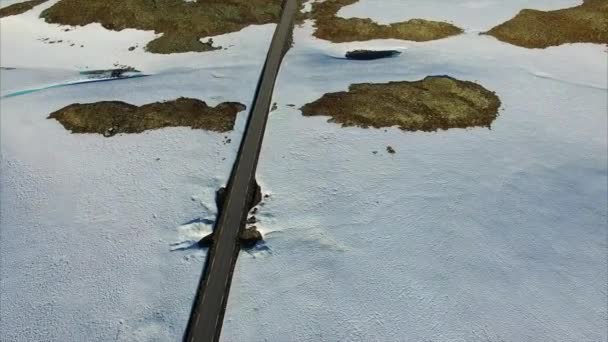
(430, 104)
(206, 242)
(20, 7)
(113, 117)
(250, 236)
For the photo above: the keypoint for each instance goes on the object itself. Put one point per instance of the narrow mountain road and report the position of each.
(210, 303)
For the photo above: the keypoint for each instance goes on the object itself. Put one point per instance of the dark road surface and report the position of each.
(210, 303)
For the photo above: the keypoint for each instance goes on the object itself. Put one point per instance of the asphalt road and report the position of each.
(207, 314)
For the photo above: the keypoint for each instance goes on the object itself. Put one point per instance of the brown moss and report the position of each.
(436, 102)
(587, 23)
(112, 117)
(330, 27)
(19, 8)
(182, 23)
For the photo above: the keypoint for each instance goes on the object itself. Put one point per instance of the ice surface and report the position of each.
(14, 80)
(462, 235)
(471, 15)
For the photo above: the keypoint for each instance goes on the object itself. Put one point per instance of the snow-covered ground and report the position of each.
(93, 229)
(88, 223)
(462, 235)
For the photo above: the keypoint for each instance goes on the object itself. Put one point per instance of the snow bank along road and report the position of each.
(210, 303)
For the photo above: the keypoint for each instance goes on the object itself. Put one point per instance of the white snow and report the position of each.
(96, 232)
(462, 235)
(471, 15)
(89, 223)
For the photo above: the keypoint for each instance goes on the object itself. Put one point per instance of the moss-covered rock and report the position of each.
(20, 7)
(330, 27)
(436, 102)
(587, 23)
(182, 23)
(113, 117)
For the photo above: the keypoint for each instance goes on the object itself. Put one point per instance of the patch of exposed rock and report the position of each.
(113, 117)
(182, 23)
(330, 27)
(435, 102)
(586, 23)
(20, 7)
(250, 236)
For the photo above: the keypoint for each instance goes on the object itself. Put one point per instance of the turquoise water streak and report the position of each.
(28, 91)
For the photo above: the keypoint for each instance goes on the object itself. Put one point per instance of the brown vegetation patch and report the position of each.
(436, 102)
(112, 117)
(338, 30)
(587, 23)
(182, 23)
(19, 7)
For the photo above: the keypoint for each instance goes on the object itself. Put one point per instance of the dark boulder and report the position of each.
(250, 236)
(366, 55)
(206, 242)
(255, 195)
